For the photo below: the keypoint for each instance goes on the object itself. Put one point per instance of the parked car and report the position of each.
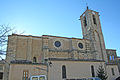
(38, 77)
(94, 78)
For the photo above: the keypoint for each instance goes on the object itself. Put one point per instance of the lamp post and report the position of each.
(48, 64)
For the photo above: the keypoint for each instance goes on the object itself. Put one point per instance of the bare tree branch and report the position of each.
(5, 30)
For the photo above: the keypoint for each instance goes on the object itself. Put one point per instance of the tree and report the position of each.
(5, 30)
(101, 73)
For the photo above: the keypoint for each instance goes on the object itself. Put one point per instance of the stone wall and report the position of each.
(16, 70)
(21, 47)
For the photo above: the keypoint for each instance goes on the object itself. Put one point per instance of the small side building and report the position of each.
(112, 65)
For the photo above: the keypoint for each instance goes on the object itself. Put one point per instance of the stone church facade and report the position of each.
(61, 58)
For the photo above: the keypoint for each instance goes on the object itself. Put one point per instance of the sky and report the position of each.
(61, 18)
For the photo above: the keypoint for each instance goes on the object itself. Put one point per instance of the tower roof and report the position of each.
(89, 10)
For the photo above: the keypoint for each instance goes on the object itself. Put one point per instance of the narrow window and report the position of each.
(34, 59)
(63, 72)
(25, 75)
(94, 19)
(110, 57)
(112, 69)
(85, 21)
(1, 67)
(92, 71)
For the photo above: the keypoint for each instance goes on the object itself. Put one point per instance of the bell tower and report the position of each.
(91, 29)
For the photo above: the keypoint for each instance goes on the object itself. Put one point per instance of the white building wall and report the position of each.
(109, 72)
(74, 69)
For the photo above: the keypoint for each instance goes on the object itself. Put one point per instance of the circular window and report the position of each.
(80, 45)
(57, 43)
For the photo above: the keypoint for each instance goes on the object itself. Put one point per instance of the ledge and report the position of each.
(69, 59)
(111, 64)
(25, 62)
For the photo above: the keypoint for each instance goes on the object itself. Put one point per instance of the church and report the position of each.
(60, 58)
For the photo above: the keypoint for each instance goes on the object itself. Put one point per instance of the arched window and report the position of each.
(111, 57)
(25, 75)
(63, 72)
(112, 69)
(92, 71)
(94, 19)
(85, 21)
(34, 59)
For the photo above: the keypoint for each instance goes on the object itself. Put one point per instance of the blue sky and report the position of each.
(60, 17)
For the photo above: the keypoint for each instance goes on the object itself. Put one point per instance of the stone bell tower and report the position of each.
(91, 29)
